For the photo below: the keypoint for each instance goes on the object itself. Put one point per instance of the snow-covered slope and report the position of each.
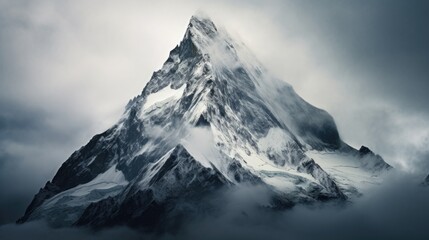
(211, 118)
(67, 206)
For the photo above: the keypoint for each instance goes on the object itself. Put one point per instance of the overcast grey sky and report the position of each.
(67, 69)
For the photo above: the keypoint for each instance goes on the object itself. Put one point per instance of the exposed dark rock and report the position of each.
(311, 167)
(372, 161)
(159, 183)
(202, 122)
(44, 193)
(363, 150)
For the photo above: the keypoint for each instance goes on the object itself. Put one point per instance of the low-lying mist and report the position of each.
(396, 210)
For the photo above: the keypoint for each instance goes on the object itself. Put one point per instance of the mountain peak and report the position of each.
(365, 150)
(201, 18)
(200, 27)
(210, 118)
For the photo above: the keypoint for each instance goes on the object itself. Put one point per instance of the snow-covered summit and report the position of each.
(211, 118)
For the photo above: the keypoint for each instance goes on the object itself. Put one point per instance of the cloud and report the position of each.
(66, 73)
(39, 230)
(67, 69)
(30, 148)
(365, 63)
(395, 210)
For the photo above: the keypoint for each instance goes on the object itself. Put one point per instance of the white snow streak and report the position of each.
(164, 95)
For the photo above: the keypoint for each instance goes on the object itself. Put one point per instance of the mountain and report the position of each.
(212, 118)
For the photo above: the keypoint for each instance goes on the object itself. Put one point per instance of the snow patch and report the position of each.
(65, 208)
(346, 170)
(164, 95)
(107, 180)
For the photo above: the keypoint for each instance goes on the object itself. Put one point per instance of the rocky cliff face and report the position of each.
(211, 118)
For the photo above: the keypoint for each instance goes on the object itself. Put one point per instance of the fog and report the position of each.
(68, 68)
(397, 210)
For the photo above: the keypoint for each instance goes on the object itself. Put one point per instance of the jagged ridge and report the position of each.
(210, 118)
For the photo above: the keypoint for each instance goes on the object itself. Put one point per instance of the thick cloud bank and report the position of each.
(39, 231)
(397, 210)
